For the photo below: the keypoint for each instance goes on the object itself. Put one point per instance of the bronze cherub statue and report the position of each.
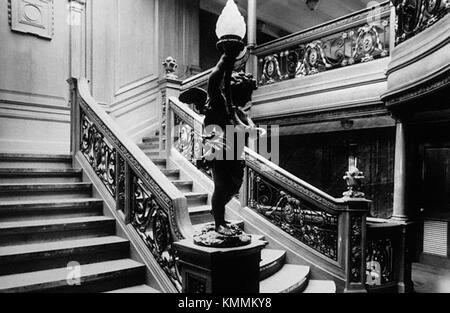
(222, 107)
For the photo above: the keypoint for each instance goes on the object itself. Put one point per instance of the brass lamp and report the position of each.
(231, 30)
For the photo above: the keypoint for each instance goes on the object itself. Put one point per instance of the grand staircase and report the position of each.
(54, 232)
(276, 274)
(54, 236)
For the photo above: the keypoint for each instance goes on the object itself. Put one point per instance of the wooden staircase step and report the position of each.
(271, 261)
(136, 289)
(172, 174)
(149, 146)
(320, 286)
(200, 214)
(162, 163)
(196, 198)
(40, 256)
(152, 139)
(12, 160)
(96, 277)
(184, 185)
(63, 208)
(47, 190)
(289, 279)
(43, 175)
(21, 232)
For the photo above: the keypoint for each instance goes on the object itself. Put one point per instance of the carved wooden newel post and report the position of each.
(354, 232)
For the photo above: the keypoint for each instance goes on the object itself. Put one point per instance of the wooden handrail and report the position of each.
(148, 200)
(341, 221)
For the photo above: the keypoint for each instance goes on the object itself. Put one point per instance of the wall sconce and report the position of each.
(312, 4)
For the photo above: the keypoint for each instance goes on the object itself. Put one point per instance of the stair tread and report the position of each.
(200, 209)
(38, 278)
(320, 286)
(43, 184)
(30, 156)
(58, 245)
(48, 222)
(136, 289)
(195, 194)
(55, 202)
(269, 256)
(40, 170)
(289, 278)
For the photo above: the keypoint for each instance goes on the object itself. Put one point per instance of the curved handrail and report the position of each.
(333, 229)
(298, 186)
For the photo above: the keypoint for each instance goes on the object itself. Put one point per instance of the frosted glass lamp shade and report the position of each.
(231, 22)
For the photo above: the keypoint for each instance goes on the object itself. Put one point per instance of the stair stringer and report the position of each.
(155, 275)
(296, 252)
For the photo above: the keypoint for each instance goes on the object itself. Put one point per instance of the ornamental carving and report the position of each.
(357, 44)
(32, 17)
(315, 228)
(413, 16)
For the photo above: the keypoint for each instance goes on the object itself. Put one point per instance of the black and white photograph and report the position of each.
(225, 152)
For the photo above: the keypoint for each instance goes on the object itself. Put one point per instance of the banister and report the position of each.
(146, 197)
(335, 227)
(198, 80)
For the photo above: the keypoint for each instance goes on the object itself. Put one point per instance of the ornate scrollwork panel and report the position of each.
(152, 223)
(99, 152)
(379, 262)
(315, 228)
(413, 16)
(355, 248)
(357, 44)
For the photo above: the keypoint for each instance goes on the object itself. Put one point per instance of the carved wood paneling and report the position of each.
(32, 17)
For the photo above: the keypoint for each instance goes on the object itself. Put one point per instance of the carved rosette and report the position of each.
(314, 54)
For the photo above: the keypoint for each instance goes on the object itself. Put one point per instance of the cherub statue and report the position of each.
(229, 105)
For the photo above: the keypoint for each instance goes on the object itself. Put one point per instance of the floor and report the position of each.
(429, 279)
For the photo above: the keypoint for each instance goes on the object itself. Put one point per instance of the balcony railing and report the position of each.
(331, 229)
(413, 16)
(356, 38)
(144, 196)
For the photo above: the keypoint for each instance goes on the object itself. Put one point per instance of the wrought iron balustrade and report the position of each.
(413, 16)
(357, 38)
(149, 202)
(332, 229)
(382, 254)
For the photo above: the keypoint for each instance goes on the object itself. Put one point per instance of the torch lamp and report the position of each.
(231, 30)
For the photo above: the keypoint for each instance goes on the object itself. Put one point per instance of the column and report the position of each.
(251, 35)
(400, 172)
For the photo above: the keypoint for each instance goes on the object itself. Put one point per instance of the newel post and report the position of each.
(353, 230)
(354, 241)
(169, 86)
(74, 117)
